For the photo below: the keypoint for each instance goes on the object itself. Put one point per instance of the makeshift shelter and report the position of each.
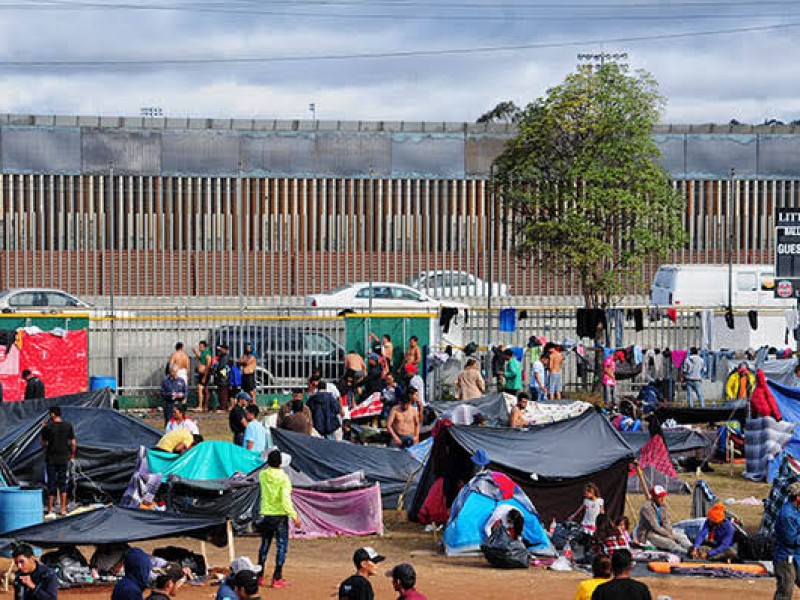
(396, 470)
(494, 407)
(551, 463)
(734, 409)
(107, 450)
(474, 506)
(657, 469)
(221, 479)
(347, 505)
(13, 414)
(112, 524)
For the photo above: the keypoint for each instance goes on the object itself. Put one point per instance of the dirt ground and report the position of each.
(315, 567)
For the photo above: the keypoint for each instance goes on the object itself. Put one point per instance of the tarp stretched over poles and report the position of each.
(113, 524)
(677, 440)
(13, 414)
(107, 450)
(551, 463)
(396, 470)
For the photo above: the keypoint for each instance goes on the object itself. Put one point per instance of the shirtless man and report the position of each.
(248, 365)
(180, 360)
(517, 416)
(386, 349)
(554, 383)
(413, 354)
(203, 356)
(353, 362)
(403, 424)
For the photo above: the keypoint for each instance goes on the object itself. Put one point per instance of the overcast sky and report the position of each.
(747, 75)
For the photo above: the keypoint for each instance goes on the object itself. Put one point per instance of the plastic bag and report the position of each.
(503, 552)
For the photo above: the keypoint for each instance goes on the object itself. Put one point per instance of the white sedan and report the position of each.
(52, 301)
(456, 284)
(384, 296)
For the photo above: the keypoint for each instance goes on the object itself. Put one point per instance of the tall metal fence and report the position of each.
(294, 340)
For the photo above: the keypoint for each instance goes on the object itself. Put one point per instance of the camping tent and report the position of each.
(396, 470)
(107, 446)
(473, 507)
(657, 469)
(551, 463)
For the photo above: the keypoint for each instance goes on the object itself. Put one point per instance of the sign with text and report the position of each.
(787, 252)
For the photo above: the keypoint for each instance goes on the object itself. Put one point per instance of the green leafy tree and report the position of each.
(586, 189)
(504, 112)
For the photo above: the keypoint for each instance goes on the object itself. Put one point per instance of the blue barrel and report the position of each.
(20, 508)
(100, 382)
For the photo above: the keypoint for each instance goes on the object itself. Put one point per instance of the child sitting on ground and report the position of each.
(608, 539)
(623, 524)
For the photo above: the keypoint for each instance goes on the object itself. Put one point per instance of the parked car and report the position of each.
(384, 296)
(456, 284)
(47, 300)
(287, 353)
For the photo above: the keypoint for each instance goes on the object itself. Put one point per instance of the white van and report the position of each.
(707, 285)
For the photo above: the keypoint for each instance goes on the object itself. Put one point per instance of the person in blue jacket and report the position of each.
(714, 541)
(137, 574)
(34, 580)
(787, 545)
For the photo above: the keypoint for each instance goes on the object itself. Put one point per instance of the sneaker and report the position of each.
(50, 516)
(261, 582)
(280, 584)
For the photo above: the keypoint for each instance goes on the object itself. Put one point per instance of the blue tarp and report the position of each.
(788, 400)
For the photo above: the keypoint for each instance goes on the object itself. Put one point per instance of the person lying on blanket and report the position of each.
(714, 541)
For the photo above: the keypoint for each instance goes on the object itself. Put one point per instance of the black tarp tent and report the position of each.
(676, 440)
(396, 470)
(13, 414)
(108, 442)
(112, 524)
(491, 406)
(736, 409)
(551, 462)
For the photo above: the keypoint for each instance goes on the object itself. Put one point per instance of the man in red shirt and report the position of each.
(404, 578)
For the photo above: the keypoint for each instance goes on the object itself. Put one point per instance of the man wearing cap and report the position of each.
(655, 526)
(242, 563)
(403, 424)
(237, 418)
(714, 541)
(787, 545)
(415, 381)
(404, 578)
(358, 587)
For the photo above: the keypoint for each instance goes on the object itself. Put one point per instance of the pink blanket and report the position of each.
(328, 514)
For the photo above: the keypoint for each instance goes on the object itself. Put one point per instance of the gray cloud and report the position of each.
(748, 76)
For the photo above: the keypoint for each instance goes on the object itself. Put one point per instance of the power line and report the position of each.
(215, 8)
(379, 55)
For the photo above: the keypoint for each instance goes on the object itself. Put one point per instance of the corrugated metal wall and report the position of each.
(286, 208)
(217, 236)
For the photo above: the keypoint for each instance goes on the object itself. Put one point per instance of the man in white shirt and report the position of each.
(179, 420)
(416, 382)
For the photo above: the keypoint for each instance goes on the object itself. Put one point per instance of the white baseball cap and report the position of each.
(243, 563)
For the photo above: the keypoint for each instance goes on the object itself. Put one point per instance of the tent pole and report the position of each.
(231, 546)
(204, 554)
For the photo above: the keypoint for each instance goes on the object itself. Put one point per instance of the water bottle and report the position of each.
(552, 526)
(568, 551)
